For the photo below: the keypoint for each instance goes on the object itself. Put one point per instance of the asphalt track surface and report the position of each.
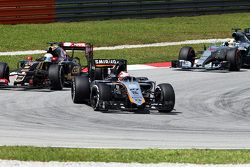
(212, 111)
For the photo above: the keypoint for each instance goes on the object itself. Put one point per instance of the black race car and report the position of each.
(115, 89)
(55, 70)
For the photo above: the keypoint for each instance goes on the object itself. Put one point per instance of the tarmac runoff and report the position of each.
(119, 47)
(149, 66)
(14, 163)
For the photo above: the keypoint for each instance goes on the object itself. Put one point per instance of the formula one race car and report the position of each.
(231, 55)
(55, 69)
(215, 57)
(117, 90)
(241, 40)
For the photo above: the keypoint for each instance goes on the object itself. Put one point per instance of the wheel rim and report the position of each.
(95, 98)
(158, 96)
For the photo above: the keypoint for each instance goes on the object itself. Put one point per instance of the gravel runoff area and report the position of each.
(124, 46)
(11, 163)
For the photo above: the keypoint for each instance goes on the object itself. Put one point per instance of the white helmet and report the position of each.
(231, 42)
(122, 75)
(48, 57)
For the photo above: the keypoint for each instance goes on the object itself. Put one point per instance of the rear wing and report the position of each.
(247, 32)
(87, 47)
(107, 66)
(109, 63)
(75, 46)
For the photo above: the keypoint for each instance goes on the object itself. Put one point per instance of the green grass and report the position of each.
(134, 56)
(197, 156)
(116, 32)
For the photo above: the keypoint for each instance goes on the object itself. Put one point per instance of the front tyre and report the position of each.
(187, 53)
(56, 76)
(165, 97)
(80, 90)
(234, 59)
(100, 95)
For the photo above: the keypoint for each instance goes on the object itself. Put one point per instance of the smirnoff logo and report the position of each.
(106, 61)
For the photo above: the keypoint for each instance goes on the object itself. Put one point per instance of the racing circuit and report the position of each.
(212, 110)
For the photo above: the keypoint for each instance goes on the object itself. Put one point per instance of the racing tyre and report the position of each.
(164, 95)
(100, 73)
(80, 90)
(100, 95)
(4, 71)
(56, 77)
(187, 53)
(234, 59)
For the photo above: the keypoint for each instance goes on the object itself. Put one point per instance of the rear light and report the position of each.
(54, 59)
(31, 82)
(85, 69)
(4, 81)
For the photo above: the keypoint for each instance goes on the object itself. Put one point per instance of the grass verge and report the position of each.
(196, 156)
(117, 32)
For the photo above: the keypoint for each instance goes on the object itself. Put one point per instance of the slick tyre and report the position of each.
(165, 95)
(100, 73)
(4, 71)
(56, 77)
(187, 53)
(234, 59)
(100, 95)
(80, 90)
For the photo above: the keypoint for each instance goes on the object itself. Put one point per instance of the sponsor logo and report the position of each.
(75, 70)
(70, 44)
(106, 61)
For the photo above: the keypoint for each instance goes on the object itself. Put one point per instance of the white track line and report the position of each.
(13, 163)
(123, 46)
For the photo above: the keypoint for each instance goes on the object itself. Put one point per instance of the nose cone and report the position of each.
(137, 100)
(135, 95)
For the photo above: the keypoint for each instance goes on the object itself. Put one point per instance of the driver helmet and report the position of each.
(57, 51)
(122, 75)
(48, 57)
(231, 42)
(29, 58)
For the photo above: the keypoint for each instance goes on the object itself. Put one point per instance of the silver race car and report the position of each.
(232, 54)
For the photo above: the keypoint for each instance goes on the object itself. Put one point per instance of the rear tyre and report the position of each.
(100, 73)
(4, 71)
(165, 95)
(80, 90)
(234, 59)
(56, 77)
(100, 95)
(187, 53)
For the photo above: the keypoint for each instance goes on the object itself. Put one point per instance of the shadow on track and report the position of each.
(211, 71)
(152, 112)
(30, 89)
